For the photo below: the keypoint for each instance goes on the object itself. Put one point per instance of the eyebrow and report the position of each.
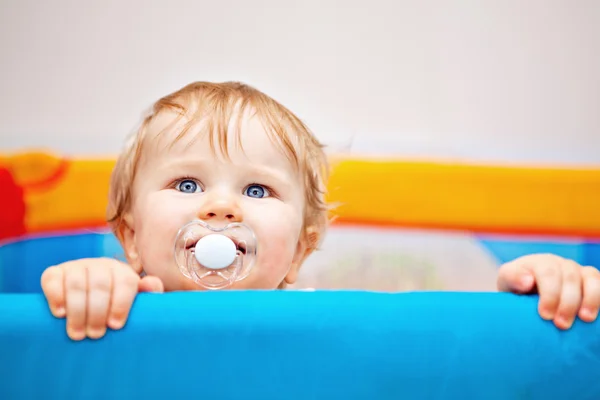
(263, 171)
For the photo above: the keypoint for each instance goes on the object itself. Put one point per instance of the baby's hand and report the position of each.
(93, 294)
(566, 289)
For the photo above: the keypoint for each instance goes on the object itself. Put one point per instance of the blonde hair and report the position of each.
(215, 104)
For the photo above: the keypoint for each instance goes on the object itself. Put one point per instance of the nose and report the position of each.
(224, 209)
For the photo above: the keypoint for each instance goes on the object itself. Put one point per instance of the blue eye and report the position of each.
(188, 186)
(257, 191)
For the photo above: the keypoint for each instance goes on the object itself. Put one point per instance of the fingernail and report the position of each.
(588, 314)
(546, 314)
(94, 333)
(116, 323)
(563, 322)
(76, 334)
(59, 312)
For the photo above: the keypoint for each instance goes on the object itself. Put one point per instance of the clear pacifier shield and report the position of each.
(212, 257)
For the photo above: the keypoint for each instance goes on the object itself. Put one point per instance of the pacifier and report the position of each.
(212, 257)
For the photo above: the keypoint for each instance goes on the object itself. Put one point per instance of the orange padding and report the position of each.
(65, 194)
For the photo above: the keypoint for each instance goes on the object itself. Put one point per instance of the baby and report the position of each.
(227, 153)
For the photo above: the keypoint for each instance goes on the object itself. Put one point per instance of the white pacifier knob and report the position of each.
(215, 251)
(215, 258)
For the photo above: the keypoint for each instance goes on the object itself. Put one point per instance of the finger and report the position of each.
(591, 294)
(548, 277)
(98, 299)
(151, 284)
(52, 282)
(571, 295)
(75, 301)
(125, 288)
(514, 278)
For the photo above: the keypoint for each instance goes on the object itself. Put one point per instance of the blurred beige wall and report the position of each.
(488, 80)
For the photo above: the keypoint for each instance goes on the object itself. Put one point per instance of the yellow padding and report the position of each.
(78, 198)
(73, 193)
(466, 196)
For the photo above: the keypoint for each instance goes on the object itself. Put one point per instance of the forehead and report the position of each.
(243, 139)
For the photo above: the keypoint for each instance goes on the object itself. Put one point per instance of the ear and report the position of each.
(126, 235)
(306, 245)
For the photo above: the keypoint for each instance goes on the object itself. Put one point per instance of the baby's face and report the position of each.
(256, 185)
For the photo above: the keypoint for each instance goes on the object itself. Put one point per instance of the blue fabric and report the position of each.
(303, 345)
(585, 253)
(22, 262)
(592, 254)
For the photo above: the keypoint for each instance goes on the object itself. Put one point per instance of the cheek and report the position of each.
(154, 220)
(162, 211)
(278, 232)
(157, 221)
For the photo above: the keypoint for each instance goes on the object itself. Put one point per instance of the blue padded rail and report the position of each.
(303, 345)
